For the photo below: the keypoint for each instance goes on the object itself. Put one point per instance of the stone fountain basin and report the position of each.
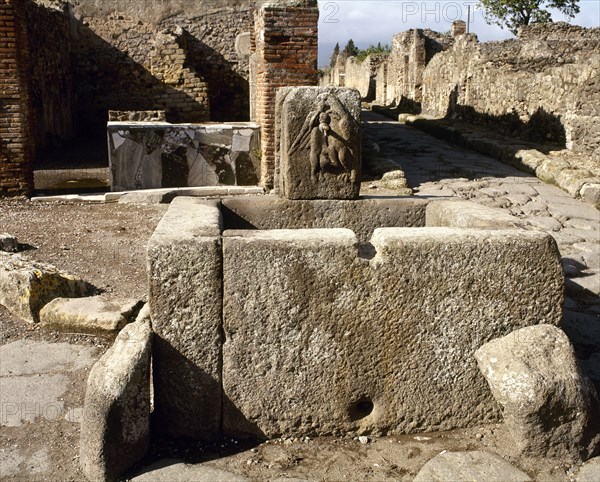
(278, 317)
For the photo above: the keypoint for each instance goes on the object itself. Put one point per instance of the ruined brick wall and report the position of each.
(16, 139)
(52, 88)
(174, 55)
(544, 86)
(286, 46)
(411, 52)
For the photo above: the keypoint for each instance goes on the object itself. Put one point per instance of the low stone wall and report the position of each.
(324, 333)
(146, 155)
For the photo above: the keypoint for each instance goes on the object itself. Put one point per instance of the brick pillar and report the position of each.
(16, 139)
(286, 39)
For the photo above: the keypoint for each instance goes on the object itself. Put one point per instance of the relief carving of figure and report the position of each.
(328, 132)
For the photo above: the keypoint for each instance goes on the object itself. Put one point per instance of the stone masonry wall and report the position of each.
(545, 84)
(286, 55)
(395, 79)
(174, 55)
(16, 139)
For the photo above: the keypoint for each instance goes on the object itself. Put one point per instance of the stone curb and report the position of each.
(579, 183)
(155, 196)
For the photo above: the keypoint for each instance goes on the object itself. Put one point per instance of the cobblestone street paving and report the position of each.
(435, 168)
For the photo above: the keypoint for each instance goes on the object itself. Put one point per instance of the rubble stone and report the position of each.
(97, 313)
(548, 405)
(26, 286)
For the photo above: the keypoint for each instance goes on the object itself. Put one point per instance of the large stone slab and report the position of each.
(185, 298)
(470, 466)
(468, 214)
(146, 155)
(318, 137)
(115, 431)
(548, 405)
(319, 340)
(26, 286)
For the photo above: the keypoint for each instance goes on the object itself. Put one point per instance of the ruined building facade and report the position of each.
(544, 84)
(69, 63)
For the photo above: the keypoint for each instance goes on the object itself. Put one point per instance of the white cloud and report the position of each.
(370, 22)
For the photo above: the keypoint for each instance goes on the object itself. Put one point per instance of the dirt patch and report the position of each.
(105, 244)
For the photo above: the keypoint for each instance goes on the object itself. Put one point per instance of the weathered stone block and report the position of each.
(115, 431)
(466, 466)
(319, 340)
(591, 194)
(26, 286)
(572, 180)
(549, 170)
(548, 405)
(467, 214)
(97, 313)
(185, 297)
(318, 143)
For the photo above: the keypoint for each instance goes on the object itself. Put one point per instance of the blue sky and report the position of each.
(372, 21)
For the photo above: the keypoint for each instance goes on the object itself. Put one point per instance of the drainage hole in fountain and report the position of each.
(361, 409)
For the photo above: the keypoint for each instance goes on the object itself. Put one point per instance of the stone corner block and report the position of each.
(318, 143)
(115, 430)
(533, 373)
(185, 299)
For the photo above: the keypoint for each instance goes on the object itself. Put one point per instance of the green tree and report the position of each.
(516, 13)
(334, 56)
(350, 50)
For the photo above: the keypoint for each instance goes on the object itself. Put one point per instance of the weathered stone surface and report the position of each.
(549, 170)
(319, 340)
(529, 159)
(548, 405)
(318, 137)
(115, 431)
(572, 180)
(591, 194)
(469, 466)
(35, 377)
(97, 313)
(168, 470)
(8, 243)
(26, 286)
(363, 216)
(467, 214)
(590, 471)
(145, 155)
(185, 297)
